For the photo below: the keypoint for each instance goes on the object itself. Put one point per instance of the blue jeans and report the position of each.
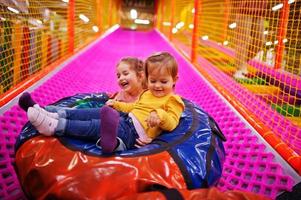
(85, 123)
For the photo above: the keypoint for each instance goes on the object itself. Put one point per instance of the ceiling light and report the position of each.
(141, 21)
(95, 29)
(205, 37)
(233, 25)
(84, 18)
(277, 7)
(166, 24)
(174, 30)
(134, 14)
(13, 10)
(180, 25)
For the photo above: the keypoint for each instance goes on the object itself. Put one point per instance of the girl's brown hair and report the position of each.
(161, 60)
(137, 65)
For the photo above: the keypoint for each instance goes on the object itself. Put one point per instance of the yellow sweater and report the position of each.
(169, 109)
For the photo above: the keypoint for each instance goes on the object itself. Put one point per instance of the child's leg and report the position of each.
(49, 126)
(88, 129)
(55, 109)
(72, 114)
(81, 114)
(126, 132)
(108, 130)
(91, 124)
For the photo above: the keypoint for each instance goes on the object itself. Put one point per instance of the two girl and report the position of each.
(157, 109)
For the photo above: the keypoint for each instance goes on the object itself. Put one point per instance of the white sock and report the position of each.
(49, 114)
(43, 123)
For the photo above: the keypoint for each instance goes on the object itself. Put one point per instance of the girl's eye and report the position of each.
(152, 81)
(164, 82)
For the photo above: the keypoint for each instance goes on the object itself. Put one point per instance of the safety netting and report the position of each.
(250, 51)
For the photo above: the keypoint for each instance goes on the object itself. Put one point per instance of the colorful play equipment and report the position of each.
(50, 49)
(189, 157)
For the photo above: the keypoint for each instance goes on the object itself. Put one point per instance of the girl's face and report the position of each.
(127, 78)
(160, 82)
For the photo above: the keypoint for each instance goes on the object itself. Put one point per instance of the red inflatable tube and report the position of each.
(55, 172)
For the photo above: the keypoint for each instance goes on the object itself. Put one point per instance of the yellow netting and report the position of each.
(85, 20)
(164, 14)
(27, 31)
(109, 14)
(34, 34)
(183, 22)
(91, 16)
(256, 44)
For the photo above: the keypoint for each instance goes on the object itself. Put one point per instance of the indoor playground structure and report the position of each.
(239, 75)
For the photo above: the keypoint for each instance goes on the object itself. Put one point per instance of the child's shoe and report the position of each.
(109, 121)
(25, 101)
(43, 123)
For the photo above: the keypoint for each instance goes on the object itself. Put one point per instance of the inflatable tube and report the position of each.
(189, 157)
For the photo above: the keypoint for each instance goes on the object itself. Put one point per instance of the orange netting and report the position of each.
(36, 34)
(252, 49)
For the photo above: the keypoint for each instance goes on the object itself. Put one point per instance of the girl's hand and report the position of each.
(153, 120)
(140, 142)
(110, 102)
